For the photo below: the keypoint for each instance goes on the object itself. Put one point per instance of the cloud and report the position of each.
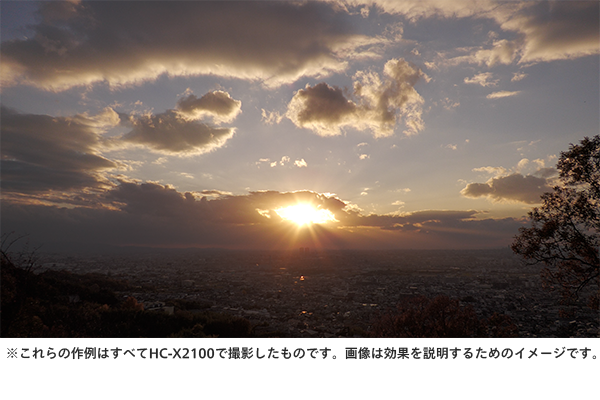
(270, 117)
(554, 30)
(170, 133)
(484, 79)
(154, 199)
(517, 76)
(514, 187)
(180, 131)
(218, 104)
(378, 104)
(415, 10)
(502, 93)
(61, 159)
(300, 163)
(524, 183)
(498, 171)
(540, 31)
(322, 108)
(502, 52)
(450, 104)
(124, 43)
(215, 193)
(41, 153)
(152, 214)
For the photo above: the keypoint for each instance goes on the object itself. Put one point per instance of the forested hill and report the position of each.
(64, 304)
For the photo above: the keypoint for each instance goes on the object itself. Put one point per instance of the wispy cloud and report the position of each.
(517, 76)
(502, 93)
(484, 79)
(545, 31)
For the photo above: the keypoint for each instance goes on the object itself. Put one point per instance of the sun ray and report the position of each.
(305, 214)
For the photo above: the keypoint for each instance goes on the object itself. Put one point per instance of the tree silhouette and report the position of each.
(442, 316)
(565, 230)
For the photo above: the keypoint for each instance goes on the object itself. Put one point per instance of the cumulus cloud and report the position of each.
(169, 132)
(524, 183)
(378, 104)
(181, 131)
(43, 153)
(322, 108)
(285, 160)
(123, 43)
(514, 187)
(218, 105)
(300, 163)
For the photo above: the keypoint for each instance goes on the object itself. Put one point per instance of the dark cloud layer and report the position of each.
(41, 153)
(127, 42)
(151, 214)
(131, 42)
(556, 30)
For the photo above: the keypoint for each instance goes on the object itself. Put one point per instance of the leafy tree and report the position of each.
(565, 230)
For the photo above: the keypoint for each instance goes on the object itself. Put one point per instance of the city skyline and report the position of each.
(383, 124)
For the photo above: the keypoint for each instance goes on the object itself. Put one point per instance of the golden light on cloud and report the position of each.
(305, 214)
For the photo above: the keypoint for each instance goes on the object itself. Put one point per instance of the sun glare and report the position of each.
(305, 214)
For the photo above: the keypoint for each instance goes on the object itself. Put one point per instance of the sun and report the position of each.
(305, 214)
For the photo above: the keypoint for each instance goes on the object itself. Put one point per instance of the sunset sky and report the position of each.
(403, 124)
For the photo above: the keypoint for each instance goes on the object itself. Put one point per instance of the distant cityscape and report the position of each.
(308, 293)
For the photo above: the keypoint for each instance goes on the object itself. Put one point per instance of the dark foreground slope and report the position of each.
(64, 304)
